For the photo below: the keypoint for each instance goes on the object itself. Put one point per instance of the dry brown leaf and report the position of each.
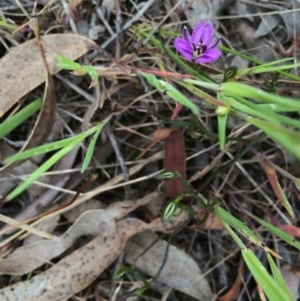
(22, 69)
(46, 118)
(45, 121)
(47, 225)
(78, 270)
(180, 272)
(175, 161)
(212, 222)
(158, 136)
(27, 258)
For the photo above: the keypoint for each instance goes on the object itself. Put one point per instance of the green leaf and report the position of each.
(90, 150)
(233, 222)
(288, 138)
(222, 119)
(43, 168)
(167, 88)
(47, 147)
(247, 107)
(237, 89)
(256, 61)
(273, 291)
(67, 64)
(12, 122)
(278, 232)
(279, 279)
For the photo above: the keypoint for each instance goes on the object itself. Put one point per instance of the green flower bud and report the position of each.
(222, 111)
(165, 175)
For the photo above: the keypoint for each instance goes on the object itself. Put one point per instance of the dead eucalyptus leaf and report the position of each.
(78, 270)
(24, 259)
(22, 69)
(146, 252)
(47, 225)
(45, 120)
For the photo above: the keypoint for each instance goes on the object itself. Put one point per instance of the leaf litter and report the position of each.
(27, 59)
(80, 268)
(108, 232)
(146, 252)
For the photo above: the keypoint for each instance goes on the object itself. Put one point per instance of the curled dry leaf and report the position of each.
(22, 69)
(158, 136)
(78, 270)
(212, 222)
(146, 252)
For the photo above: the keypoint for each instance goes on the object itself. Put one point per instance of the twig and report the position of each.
(162, 22)
(118, 29)
(86, 95)
(71, 21)
(119, 155)
(102, 18)
(130, 22)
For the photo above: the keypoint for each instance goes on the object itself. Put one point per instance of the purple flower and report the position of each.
(199, 46)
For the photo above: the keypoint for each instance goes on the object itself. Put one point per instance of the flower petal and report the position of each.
(209, 56)
(184, 48)
(215, 43)
(198, 32)
(208, 33)
(186, 34)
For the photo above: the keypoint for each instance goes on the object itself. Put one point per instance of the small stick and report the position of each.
(128, 24)
(121, 160)
(118, 29)
(102, 18)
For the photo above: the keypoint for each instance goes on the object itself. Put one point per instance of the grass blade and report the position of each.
(12, 122)
(43, 168)
(90, 150)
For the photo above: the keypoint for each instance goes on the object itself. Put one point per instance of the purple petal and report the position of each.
(215, 43)
(209, 56)
(184, 48)
(207, 33)
(186, 34)
(198, 32)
